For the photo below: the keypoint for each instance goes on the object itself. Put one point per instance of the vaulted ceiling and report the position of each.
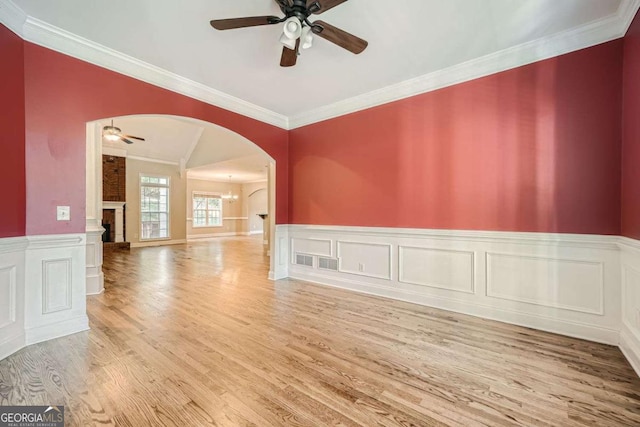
(414, 46)
(207, 151)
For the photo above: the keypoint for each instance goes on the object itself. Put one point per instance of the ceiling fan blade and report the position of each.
(325, 5)
(289, 57)
(128, 141)
(340, 37)
(251, 21)
(132, 137)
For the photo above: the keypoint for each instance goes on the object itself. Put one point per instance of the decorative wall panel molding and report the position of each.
(437, 268)
(8, 289)
(630, 278)
(365, 259)
(56, 285)
(12, 253)
(563, 283)
(280, 269)
(94, 255)
(311, 246)
(552, 282)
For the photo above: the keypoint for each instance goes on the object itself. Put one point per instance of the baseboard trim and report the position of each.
(196, 237)
(95, 284)
(278, 275)
(56, 330)
(528, 320)
(11, 345)
(630, 347)
(158, 243)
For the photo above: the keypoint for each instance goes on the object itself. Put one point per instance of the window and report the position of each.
(207, 210)
(154, 207)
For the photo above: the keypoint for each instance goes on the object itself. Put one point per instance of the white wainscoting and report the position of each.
(630, 271)
(55, 287)
(280, 265)
(42, 289)
(95, 276)
(568, 284)
(12, 295)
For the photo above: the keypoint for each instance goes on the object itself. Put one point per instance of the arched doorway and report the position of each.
(198, 144)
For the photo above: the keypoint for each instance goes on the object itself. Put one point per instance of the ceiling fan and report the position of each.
(297, 28)
(112, 133)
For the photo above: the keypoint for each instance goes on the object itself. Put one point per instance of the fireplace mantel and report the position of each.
(119, 208)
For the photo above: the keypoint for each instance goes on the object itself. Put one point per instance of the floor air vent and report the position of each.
(304, 260)
(328, 263)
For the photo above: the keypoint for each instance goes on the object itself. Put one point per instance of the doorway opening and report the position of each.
(179, 180)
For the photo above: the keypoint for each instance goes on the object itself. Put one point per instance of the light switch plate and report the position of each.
(64, 213)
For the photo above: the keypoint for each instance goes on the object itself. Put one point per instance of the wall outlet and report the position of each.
(361, 267)
(63, 213)
(638, 318)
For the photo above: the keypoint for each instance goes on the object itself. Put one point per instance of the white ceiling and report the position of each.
(242, 170)
(166, 139)
(407, 39)
(208, 151)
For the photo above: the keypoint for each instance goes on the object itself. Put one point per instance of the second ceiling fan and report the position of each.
(112, 133)
(297, 28)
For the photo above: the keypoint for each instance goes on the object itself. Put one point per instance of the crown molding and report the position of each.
(626, 12)
(591, 34)
(12, 16)
(49, 36)
(41, 33)
(151, 160)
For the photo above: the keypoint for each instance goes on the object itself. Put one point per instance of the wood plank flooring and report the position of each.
(195, 335)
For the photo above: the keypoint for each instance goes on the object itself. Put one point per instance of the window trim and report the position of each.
(207, 193)
(168, 187)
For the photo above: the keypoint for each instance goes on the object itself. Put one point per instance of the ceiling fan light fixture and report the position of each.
(111, 133)
(306, 38)
(297, 31)
(292, 28)
(290, 43)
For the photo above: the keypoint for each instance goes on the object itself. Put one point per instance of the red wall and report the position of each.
(63, 93)
(631, 133)
(12, 174)
(536, 148)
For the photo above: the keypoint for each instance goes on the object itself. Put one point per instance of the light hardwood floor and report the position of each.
(196, 335)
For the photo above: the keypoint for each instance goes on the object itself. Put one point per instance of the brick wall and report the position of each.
(114, 180)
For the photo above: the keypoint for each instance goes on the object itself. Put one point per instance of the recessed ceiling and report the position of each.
(407, 39)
